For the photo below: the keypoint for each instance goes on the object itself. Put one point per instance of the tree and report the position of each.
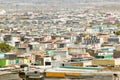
(91, 52)
(90, 25)
(5, 47)
(117, 33)
(76, 42)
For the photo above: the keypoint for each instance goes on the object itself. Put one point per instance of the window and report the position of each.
(11, 62)
(47, 63)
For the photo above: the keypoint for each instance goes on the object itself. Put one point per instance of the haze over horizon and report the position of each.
(66, 1)
(16, 5)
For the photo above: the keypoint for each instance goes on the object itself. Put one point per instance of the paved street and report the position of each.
(16, 77)
(4, 72)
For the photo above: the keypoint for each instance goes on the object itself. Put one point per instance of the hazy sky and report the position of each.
(56, 0)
